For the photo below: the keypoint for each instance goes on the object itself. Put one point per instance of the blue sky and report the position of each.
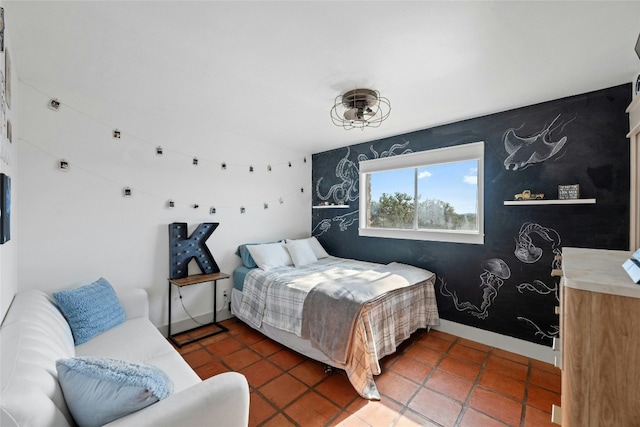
(452, 182)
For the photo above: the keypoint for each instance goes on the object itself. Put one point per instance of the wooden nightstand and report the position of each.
(193, 280)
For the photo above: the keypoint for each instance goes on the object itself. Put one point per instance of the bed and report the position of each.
(342, 312)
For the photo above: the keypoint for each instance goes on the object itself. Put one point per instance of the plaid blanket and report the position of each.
(276, 298)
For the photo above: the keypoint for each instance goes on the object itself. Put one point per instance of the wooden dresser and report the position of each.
(600, 340)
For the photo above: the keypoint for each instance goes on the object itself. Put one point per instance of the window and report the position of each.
(428, 195)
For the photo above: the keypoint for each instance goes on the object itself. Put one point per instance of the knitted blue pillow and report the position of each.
(100, 390)
(90, 309)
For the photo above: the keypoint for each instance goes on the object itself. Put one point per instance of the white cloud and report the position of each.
(472, 177)
(424, 174)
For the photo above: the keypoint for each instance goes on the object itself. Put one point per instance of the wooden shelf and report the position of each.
(550, 202)
(198, 278)
(331, 206)
(193, 280)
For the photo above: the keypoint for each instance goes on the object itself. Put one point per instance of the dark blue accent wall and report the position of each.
(505, 285)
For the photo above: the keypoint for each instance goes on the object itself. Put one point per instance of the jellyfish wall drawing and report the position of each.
(492, 279)
(527, 252)
(526, 151)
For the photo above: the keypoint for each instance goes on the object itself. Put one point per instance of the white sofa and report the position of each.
(34, 334)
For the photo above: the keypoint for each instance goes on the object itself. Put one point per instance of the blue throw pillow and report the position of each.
(100, 390)
(90, 309)
(246, 257)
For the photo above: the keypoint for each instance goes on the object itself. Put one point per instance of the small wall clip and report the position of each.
(54, 105)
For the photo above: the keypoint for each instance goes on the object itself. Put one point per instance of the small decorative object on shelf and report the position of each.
(632, 266)
(569, 192)
(528, 195)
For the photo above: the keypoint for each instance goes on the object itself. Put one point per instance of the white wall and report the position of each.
(9, 166)
(76, 226)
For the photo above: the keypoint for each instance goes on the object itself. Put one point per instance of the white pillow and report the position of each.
(301, 252)
(270, 255)
(316, 247)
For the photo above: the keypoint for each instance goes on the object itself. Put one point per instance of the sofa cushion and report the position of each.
(150, 348)
(33, 336)
(100, 390)
(90, 309)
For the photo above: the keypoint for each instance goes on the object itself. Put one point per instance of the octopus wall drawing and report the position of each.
(347, 189)
(526, 151)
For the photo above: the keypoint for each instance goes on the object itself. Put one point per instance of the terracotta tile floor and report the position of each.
(434, 379)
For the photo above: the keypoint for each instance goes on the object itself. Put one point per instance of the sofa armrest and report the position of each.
(135, 302)
(222, 400)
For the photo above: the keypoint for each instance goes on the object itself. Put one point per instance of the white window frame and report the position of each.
(471, 151)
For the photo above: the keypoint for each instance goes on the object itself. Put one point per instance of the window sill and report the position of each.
(436, 236)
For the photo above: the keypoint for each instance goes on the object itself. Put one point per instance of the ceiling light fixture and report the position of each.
(360, 108)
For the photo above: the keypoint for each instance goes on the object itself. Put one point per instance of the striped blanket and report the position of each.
(276, 298)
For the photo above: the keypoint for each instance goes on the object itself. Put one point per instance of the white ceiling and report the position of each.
(269, 71)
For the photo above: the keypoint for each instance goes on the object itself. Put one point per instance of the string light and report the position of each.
(116, 133)
(55, 104)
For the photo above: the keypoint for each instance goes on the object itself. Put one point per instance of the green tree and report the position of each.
(393, 211)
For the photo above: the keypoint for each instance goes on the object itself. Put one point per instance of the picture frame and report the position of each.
(1, 29)
(569, 192)
(5, 208)
(7, 79)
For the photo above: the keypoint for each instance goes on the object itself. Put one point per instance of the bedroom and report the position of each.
(220, 83)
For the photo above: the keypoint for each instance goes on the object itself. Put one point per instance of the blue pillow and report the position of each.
(100, 390)
(246, 257)
(90, 309)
